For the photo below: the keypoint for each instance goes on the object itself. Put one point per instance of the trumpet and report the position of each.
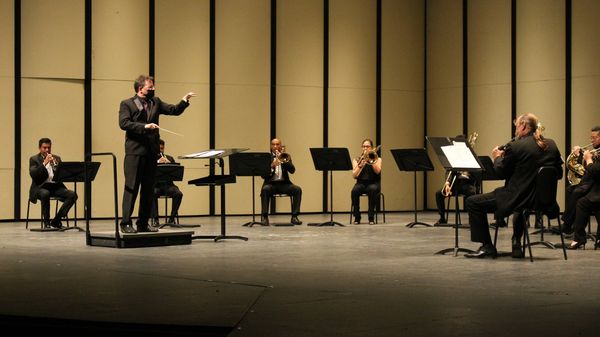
(282, 157)
(369, 157)
(54, 162)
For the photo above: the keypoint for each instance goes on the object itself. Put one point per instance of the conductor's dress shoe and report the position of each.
(56, 223)
(576, 245)
(296, 221)
(127, 228)
(146, 229)
(484, 251)
(264, 220)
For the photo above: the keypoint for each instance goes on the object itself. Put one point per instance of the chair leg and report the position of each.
(526, 241)
(27, 219)
(383, 210)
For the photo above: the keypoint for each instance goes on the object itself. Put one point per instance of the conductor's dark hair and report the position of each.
(141, 81)
(44, 141)
(161, 142)
(596, 128)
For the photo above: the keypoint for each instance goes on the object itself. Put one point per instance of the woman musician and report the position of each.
(366, 169)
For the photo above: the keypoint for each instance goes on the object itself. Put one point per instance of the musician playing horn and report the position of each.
(518, 164)
(456, 182)
(576, 192)
(366, 169)
(278, 182)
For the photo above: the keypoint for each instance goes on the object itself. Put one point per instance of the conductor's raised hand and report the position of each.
(151, 126)
(189, 95)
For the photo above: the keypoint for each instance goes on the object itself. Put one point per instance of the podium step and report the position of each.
(139, 240)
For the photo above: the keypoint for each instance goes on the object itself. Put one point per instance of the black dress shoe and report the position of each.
(146, 229)
(155, 223)
(440, 222)
(127, 228)
(56, 223)
(517, 249)
(296, 221)
(264, 220)
(483, 251)
(576, 245)
(566, 229)
(597, 244)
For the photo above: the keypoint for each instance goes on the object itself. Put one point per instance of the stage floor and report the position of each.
(357, 280)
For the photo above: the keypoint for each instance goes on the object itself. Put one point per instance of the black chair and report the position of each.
(42, 227)
(544, 203)
(379, 207)
(166, 197)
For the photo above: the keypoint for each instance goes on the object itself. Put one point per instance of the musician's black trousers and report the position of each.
(372, 190)
(290, 189)
(140, 174)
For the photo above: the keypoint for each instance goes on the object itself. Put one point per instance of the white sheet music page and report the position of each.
(204, 154)
(459, 155)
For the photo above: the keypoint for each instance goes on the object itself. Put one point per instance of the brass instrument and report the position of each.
(369, 157)
(449, 193)
(576, 170)
(282, 157)
(54, 163)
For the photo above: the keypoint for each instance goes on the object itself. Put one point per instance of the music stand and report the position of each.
(73, 172)
(455, 158)
(251, 164)
(330, 159)
(413, 160)
(167, 174)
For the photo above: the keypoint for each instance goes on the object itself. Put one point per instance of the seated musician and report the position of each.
(517, 162)
(166, 189)
(42, 168)
(278, 182)
(366, 169)
(579, 179)
(587, 193)
(456, 182)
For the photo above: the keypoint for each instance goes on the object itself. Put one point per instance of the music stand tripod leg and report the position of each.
(416, 222)
(456, 248)
(254, 222)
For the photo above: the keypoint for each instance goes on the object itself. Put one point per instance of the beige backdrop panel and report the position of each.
(586, 70)
(7, 136)
(52, 38)
(540, 40)
(489, 76)
(444, 80)
(541, 68)
(243, 42)
(402, 119)
(119, 39)
(242, 104)
(300, 43)
(300, 94)
(65, 128)
(352, 84)
(352, 44)
(242, 121)
(182, 40)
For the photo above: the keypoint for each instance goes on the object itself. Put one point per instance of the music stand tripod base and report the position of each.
(417, 223)
(327, 223)
(455, 250)
(72, 227)
(252, 223)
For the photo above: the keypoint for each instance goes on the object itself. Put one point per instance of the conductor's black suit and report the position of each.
(141, 151)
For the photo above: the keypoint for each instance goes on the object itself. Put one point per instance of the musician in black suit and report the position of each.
(168, 189)
(278, 182)
(42, 168)
(575, 192)
(518, 164)
(138, 117)
(588, 204)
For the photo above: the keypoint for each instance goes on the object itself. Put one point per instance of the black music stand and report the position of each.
(330, 159)
(166, 174)
(413, 160)
(251, 164)
(470, 162)
(72, 172)
(216, 180)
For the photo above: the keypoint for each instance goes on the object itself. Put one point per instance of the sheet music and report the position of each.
(204, 154)
(459, 155)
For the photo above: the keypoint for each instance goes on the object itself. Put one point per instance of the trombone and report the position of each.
(449, 193)
(282, 157)
(369, 157)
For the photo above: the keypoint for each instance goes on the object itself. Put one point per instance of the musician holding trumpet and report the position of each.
(42, 167)
(366, 169)
(583, 197)
(456, 182)
(278, 182)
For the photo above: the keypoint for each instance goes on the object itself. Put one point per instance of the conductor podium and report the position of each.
(330, 159)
